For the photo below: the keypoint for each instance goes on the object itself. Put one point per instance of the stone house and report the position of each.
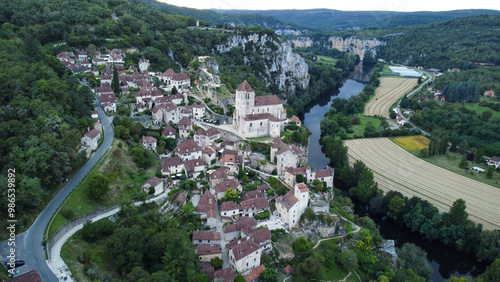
(91, 139)
(169, 132)
(225, 275)
(254, 206)
(194, 168)
(219, 175)
(171, 166)
(244, 256)
(108, 102)
(220, 189)
(231, 232)
(325, 175)
(206, 138)
(263, 238)
(207, 207)
(155, 183)
(188, 150)
(208, 252)
(149, 143)
(229, 210)
(185, 125)
(206, 238)
(232, 162)
(292, 205)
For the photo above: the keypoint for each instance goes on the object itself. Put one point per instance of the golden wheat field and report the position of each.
(389, 91)
(396, 169)
(412, 143)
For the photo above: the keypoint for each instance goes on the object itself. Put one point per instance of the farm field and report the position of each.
(389, 91)
(398, 170)
(412, 143)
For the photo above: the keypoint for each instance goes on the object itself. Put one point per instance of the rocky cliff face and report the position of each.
(282, 66)
(350, 44)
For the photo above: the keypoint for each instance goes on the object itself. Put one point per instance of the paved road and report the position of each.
(398, 108)
(29, 244)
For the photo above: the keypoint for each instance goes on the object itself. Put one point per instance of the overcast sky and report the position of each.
(345, 5)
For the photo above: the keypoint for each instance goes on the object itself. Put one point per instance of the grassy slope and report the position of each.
(479, 110)
(126, 181)
(449, 162)
(327, 60)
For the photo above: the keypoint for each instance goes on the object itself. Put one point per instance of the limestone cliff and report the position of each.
(351, 44)
(282, 66)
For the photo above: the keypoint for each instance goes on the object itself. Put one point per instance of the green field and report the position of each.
(386, 69)
(327, 60)
(479, 110)
(450, 162)
(126, 181)
(359, 129)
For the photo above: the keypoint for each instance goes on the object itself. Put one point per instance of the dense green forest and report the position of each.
(143, 244)
(458, 43)
(44, 113)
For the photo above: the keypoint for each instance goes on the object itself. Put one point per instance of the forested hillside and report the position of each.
(453, 44)
(326, 19)
(214, 18)
(44, 111)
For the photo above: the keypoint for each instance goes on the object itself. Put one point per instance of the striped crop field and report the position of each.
(396, 169)
(389, 91)
(412, 143)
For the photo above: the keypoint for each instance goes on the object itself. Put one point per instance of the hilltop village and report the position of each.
(241, 195)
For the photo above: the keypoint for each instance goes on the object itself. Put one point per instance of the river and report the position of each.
(445, 261)
(313, 116)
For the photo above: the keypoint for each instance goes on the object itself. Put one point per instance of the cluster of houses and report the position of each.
(147, 97)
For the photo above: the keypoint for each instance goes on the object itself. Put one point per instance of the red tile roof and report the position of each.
(227, 274)
(207, 204)
(244, 249)
(226, 184)
(287, 200)
(261, 235)
(169, 162)
(108, 98)
(185, 121)
(206, 235)
(228, 206)
(263, 187)
(208, 250)
(187, 146)
(153, 181)
(258, 203)
(30, 276)
(244, 86)
(252, 276)
(92, 134)
(263, 116)
(148, 139)
(323, 173)
(230, 228)
(302, 187)
(267, 100)
(220, 173)
(252, 195)
(288, 269)
(168, 131)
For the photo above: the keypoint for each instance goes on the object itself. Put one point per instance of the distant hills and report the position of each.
(326, 19)
(318, 19)
(235, 19)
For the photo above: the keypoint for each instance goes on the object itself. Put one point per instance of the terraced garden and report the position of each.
(395, 169)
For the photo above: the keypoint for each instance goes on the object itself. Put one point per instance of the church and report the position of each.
(256, 116)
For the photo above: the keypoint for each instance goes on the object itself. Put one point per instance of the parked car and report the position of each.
(17, 263)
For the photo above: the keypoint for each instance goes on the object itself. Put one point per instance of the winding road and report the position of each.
(29, 244)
